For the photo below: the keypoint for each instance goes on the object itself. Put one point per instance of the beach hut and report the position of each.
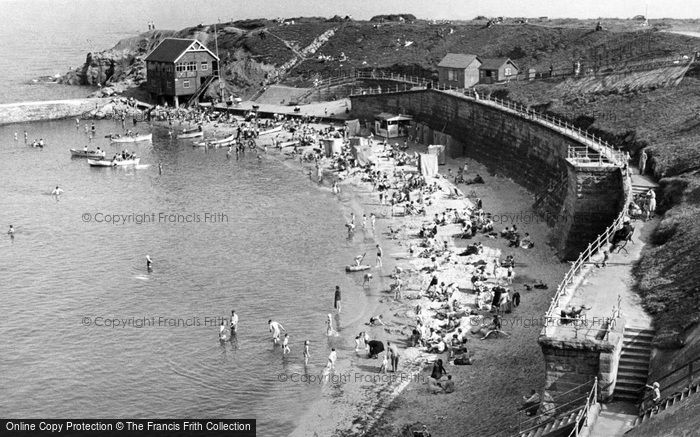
(390, 125)
(361, 150)
(331, 146)
(428, 164)
(439, 151)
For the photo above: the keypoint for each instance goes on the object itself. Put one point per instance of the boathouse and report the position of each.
(459, 70)
(497, 70)
(179, 70)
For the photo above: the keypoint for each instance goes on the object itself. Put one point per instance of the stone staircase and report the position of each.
(642, 184)
(633, 370)
(668, 402)
(560, 425)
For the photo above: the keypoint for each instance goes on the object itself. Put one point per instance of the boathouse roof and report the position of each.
(172, 49)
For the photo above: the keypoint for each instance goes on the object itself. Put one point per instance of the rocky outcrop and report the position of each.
(119, 68)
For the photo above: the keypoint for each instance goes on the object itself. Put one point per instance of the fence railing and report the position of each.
(584, 257)
(602, 147)
(582, 416)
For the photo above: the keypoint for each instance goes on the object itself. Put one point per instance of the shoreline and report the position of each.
(353, 403)
(359, 411)
(356, 406)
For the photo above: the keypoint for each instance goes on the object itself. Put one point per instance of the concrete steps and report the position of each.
(669, 402)
(633, 369)
(553, 425)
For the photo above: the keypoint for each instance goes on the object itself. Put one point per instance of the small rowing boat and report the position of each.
(113, 163)
(224, 142)
(96, 154)
(356, 268)
(131, 138)
(190, 133)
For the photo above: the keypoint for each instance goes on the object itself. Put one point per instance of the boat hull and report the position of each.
(89, 154)
(107, 163)
(133, 139)
(225, 142)
(184, 136)
(357, 268)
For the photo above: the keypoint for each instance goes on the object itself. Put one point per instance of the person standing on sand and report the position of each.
(394, 355)
(373, 220)
(275, 328)
(379, 257)
(336, 300)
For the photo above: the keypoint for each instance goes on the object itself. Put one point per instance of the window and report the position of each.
(185, 83)
(507, 71)
(204, 66)
(169, 84)
(451, 75)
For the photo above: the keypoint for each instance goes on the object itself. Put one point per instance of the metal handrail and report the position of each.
(583, 415)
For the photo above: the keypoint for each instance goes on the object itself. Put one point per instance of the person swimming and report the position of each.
(149, 263)
(11, 232)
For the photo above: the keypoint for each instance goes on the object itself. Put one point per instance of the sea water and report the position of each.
(88, 331)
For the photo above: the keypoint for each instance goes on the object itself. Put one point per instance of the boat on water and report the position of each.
(130, 138)
(190, 133)
(224, 142)
(357, 268)
(96, 154)
(113, 163)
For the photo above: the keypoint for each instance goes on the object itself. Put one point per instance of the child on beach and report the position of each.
(373, 220)
(306, 353)
(285, 344)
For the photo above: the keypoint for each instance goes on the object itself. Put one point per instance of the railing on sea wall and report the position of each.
(551, 317)
(602, 147)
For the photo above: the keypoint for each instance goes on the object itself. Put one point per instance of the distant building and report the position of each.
(459, 70)
(497, 70)
(178, 68)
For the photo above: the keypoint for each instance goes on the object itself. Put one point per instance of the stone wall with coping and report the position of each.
(579, 202)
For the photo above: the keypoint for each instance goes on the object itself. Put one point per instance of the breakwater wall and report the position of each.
(48, 110)
(578, 199)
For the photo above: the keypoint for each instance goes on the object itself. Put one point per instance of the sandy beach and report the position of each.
(355, 396)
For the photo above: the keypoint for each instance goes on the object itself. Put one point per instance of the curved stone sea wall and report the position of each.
(578, 200)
